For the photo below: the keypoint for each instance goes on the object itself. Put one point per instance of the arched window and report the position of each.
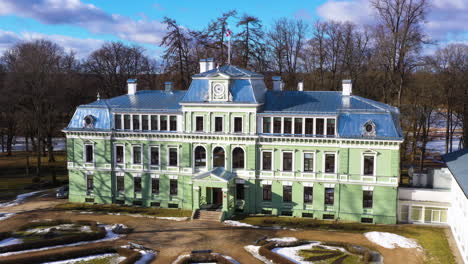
(218, 157)
(200, 156)
(238, 158)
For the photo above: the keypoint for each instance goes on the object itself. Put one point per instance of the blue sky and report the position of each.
(84, 25)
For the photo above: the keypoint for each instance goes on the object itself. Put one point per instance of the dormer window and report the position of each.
(88, 121)
(369, 129)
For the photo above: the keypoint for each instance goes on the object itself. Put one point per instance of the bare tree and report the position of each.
(216, 32)
(249, 43)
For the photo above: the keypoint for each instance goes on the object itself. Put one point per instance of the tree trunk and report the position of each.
(465, 120)
(38, 157)
(50, 149)
(9, 144)
(2, 139)
(26, 141)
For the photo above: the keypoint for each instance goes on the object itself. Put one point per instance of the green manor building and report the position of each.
(230, 144)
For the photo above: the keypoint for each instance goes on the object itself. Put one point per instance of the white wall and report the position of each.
(458, 219)
(420, 194)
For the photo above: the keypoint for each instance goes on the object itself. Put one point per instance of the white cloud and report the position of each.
(446, 20)
(82, 47)
(75, 12)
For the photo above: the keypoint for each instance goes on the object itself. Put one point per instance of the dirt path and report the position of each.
(171, 238)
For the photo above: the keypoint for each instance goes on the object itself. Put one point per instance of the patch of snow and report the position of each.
(180, 257)
(19, 199)
(5, 216)
(292, 253)
(237, 223)
(10, 241)
(231, 259)
(390, 240)
(283, 239)
(83, 259)
(254, 251)
(146, 257)
(438, 145)
(109, 237)
(173, 218)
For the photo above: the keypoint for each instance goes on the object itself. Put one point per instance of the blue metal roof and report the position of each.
(457, 162)
(146, 100)
(351, 125)
(230, 70)
(242, 91)
(101, 115)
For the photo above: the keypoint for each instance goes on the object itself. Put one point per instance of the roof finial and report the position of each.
(98, 96)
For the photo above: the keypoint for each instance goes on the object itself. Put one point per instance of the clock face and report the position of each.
(218, 91)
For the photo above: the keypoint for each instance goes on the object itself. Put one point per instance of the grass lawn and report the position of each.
(14, 179)
(432, 239)
(112, 208)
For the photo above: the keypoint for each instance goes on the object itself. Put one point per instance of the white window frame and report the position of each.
(283, 122)
(212, 155)
(139, 122)
(203, 124)
(222, 124)
(326, 123)
(168, 156)
(121, 121)
(89, 192)
(293, 169)
(84, 153)
(159, 156)
(177, 123)
(115, 154)
(232, 157)
(141, 154)
(336, 162)
(272, 160)
(271, 124)
(148, 120)
(119, 174)
(234, 124)
(294, 125)
(314, 156)
(370, 153)
(137, 175)
(193, 157)
(150, 126)
(167, 123)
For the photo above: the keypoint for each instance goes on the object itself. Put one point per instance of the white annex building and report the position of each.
(440, 197)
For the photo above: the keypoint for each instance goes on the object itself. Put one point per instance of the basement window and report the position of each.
(367, 220)
(328, 217)
(173, 205)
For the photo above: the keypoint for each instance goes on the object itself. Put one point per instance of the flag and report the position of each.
(228, 33)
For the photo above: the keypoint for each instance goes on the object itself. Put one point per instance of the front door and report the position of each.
(217, 196)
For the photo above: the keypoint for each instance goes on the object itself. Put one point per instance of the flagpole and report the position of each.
(229, 51)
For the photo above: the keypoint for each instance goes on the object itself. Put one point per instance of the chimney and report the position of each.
(347, 87)
(210, 64)
(168, 87)
(277, 83)
(132, 86)
(300, 86)
(203, 65)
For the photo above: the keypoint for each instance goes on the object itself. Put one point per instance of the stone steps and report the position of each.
(203, 215)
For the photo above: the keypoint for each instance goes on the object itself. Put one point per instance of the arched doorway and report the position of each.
(200, 157)
(218, 157)
(238, 158)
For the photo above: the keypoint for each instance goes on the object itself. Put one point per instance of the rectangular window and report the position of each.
(120, 183)
(266, 125)
(154, 122)
(328, 217)
(308, 194)
(329, 196)
(297, 126)
(137, 184)
(266, 192)
(416, 213)
(144, 123)
(154, 185)
(154, 153)
(136, 122)
(199, 123)
(163, 123)
(240, 191)
(119, 154)
(369, 165)
(218, 124)
(308, 162)
(319, 126)
(127, 122)
(266, 160)
(367, 220)
(287, 161)
(89, 183)
(173, 123)
(330, 127)
(237, 124)
(309, 126)
(277, 125)
(89, 153)
(404, 213)
(136, 155)
(367, 199)
(287, 125)
(173, 157)
(118, 121)
(287, 193)
(173, 187)
(330, 163)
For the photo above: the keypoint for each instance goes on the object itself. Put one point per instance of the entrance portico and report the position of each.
(213, 190)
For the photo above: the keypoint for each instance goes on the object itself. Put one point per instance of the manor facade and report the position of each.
(228, 143)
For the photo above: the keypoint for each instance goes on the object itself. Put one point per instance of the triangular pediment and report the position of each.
(214, 175)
